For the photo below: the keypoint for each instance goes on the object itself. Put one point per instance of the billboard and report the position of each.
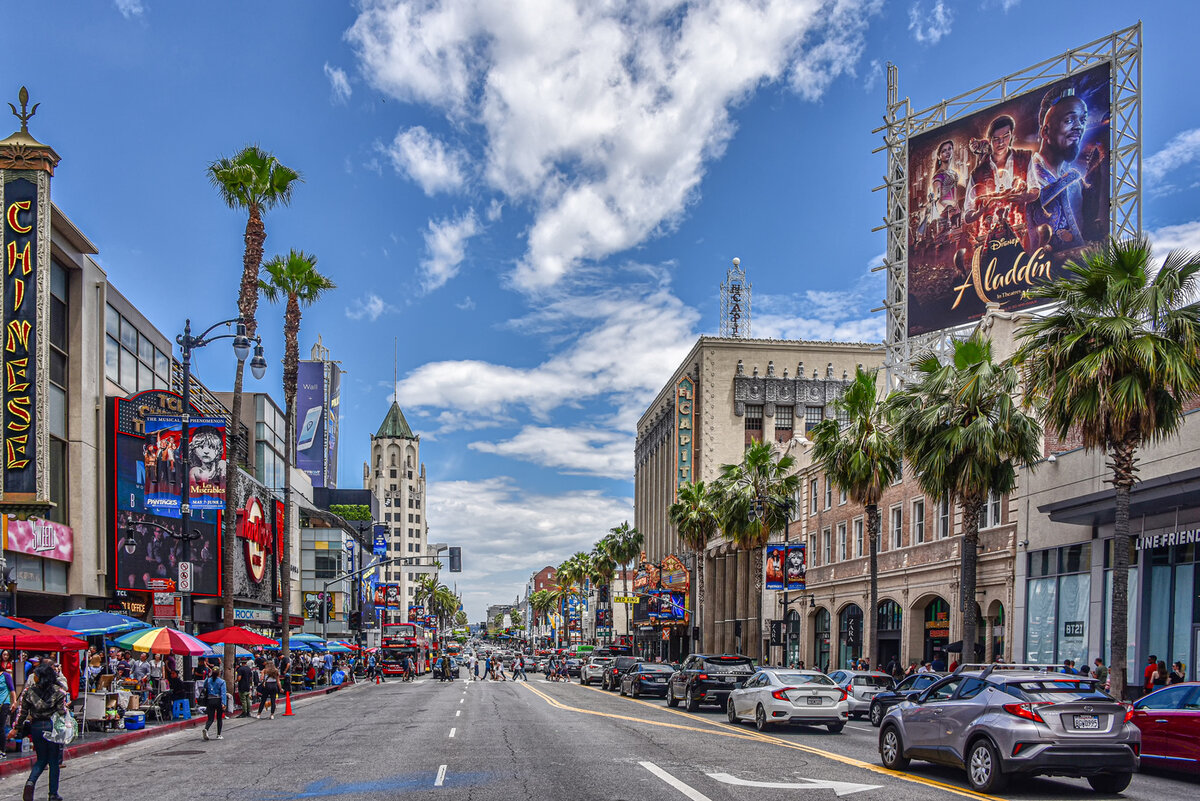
(796, 567)
(773, 571)
(318, 398)
(147, 539)
(786, 566)
(1000, 199)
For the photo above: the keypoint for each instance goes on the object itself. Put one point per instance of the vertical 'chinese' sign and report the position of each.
(685, 392)
(20, 336)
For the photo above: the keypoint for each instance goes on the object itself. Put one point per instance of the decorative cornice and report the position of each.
(15, 155)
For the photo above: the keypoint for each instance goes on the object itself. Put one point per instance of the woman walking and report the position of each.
(270, 689)
(214, 704)
(42, 699)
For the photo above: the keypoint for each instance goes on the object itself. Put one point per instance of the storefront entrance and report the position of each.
(937, 630)
(821, 639)
(849, 635)
(888, 626)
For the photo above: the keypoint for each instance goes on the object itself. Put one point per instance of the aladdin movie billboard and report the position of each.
(999, 200)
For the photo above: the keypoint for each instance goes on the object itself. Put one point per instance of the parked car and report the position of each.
(613, 671)
(884, 701)
(646, 678)
(593, 669)
(861, 687)
(708, 679)
(778, 696)
(1169, 720)
(1013, 720)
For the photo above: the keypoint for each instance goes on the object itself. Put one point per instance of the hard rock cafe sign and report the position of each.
(257, 535)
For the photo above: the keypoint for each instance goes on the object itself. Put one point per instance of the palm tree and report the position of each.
(862, 458)
(694, 515)
(295, 280)
(603, 566)
(756, 499)
(624, 545)
(1117, 360)
(253, 181)
(960, 424)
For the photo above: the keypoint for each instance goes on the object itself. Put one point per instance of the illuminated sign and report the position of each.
(21, 336)
(253, 530)
(685, 396)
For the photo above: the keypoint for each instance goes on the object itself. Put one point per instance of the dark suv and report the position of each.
(614, 669)
(708, 679)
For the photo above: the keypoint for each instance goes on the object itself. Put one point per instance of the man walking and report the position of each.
(245, 679)
(519, 668)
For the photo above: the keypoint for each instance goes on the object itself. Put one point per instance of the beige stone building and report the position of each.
(724, 394)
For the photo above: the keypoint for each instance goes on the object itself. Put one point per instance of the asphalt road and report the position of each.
(514, 740)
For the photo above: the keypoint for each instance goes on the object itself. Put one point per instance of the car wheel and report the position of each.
(983, 768)
(672, 701)
(633, 691)
(760, 719)
(585, 682)
(604, 683)
(891, 750)
(691, 703)
(836, 728)
(622, 690)
(876, 715)
(730, 713)
(1110, 783)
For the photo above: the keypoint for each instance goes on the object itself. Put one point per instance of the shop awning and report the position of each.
(1148, 498)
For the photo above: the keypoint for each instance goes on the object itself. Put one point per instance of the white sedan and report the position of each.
(776, 695)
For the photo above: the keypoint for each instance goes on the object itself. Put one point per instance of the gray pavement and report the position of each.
(510, 740)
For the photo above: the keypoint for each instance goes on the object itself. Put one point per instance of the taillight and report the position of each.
(1027, 711)
(845, 694)
(1128, 713)
(781, 694)
(701, 677)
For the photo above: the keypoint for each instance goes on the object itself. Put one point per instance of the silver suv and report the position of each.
(998, 720)
(861, 687)
(593, 669)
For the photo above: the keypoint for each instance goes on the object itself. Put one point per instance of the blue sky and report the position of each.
(537, 200)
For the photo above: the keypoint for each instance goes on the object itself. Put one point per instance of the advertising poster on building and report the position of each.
(796, 567)
(391, 596)
(206, 457)
(162, 464)
(23, 234)
(314, 602)
(310, 420)
(415, 613)
(773, 571)
(1000, 199)
(332, 408)
(379, 543)
(148, 543)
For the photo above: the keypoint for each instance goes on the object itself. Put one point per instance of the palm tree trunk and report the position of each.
(968, 574)
(255, 237)
(229, 537)
(1123, 459)
(291, 367)
(285, 566)
(872, 616)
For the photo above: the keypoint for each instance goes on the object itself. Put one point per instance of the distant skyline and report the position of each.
(538, 199)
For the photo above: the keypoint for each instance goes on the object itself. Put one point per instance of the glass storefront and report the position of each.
(888, 625)
(937, 629)
(849, 635)
(821, 639)
(1169, 609)
(792, 637)
(1058, 594)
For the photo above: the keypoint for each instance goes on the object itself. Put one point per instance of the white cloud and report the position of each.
(929, 25)
(338, 82)
(369, 307)
(130, 8)
(1185, 236)
(601, 117)
(507, 533)
(874, 75)
(1183, 149)
(446, 247)
(840, 316)
(574, 451)
(466, 304)
(425, 159)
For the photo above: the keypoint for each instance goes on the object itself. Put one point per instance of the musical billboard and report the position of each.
(999, 200)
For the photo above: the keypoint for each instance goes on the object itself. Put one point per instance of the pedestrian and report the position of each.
(7, 696)
(1148, 673)
(487, 668)
(1066, 668)
(214, 703)
(938, 665)
(1160, 674)
(42, 699)
(270, 689)
(245, 680)
(475, 666)
(1177, 674)
(519, 665)
(1100, 672)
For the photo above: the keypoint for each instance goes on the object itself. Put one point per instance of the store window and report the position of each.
(849, 635)
(821, 635)
(1058, 593)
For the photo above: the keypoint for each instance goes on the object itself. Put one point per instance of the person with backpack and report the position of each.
(42, 699)
(214, 701)
(7, 696)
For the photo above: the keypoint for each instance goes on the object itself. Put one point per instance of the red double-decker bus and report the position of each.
(402, 640)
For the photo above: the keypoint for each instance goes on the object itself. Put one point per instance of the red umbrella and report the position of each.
(45, 637)
(236, 635)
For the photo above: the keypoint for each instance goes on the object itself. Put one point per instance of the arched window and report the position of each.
(821, 639)
(890, 616)
(850, 630)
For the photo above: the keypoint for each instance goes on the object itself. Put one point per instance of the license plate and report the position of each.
(1087, 722)
(659, 681)
(814, 700)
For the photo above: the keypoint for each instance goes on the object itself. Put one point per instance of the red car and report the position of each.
(1169, 720)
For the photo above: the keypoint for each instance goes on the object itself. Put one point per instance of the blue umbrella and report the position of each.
(92, 621)
(311, 640)
(338, 648)
(293, 645)
(9, 623)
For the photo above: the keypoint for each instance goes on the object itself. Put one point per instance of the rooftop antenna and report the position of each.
(395, 367)
(735, 303)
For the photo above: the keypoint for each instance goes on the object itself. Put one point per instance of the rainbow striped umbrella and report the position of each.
(162, 640)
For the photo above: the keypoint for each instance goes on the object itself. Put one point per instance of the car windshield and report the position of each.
(729, 664)
(1057, 692)
(872, 681)
(805, 678)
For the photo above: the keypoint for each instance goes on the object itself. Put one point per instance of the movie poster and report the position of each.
(796, 566)
(1001, 199)
(391, 596)
(773, 572)
(206, 458)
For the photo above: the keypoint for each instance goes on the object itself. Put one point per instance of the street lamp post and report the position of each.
(258, 366)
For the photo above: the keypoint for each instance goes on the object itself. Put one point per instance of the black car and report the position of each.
(708, 679)
(573, 667)
(612, 673)
(887, 699)
(647, 678)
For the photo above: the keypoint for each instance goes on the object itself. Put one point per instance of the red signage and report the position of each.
(253, 529)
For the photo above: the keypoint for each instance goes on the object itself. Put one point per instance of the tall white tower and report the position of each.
(396, 477)
(735, 303)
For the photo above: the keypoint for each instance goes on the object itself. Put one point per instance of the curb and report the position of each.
(22, 764)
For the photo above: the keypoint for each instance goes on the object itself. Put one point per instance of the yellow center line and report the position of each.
(724, 730)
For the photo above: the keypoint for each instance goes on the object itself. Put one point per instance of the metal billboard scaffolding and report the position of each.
(1122, 50)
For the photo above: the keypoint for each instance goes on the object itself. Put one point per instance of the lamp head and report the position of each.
(241, 343)
(258, 365)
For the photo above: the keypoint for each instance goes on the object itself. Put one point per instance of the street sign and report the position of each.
(185, 576)
(160, 585)
(624, 599)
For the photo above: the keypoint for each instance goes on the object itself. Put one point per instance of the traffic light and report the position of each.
(356, 619)
(455, 559)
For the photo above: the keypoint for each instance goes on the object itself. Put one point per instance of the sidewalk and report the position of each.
(93, 742)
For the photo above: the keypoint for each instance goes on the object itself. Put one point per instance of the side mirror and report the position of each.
(915, 697)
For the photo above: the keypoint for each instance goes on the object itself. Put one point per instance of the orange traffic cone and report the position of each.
(287, 708)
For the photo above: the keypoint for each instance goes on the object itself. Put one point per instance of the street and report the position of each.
(513, 740)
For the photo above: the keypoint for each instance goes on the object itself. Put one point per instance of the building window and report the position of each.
(943, 509)
(828, 492)
(899, 474)
(784, 420)
(841, 537)
(813, 494)
(57, 405)
(918, 520)
(813, 415)
(130, 359)
(858, 537)
(825, 547)
(754, 422)
(1058, 596)
(410, 518)
(989, 515)
(897, 523)
(841, 497)
(392, 473)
